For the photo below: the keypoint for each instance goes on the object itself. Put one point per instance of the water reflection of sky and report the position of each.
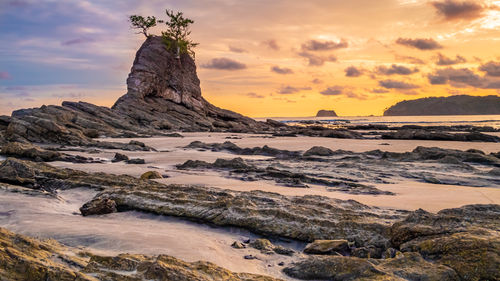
(474, 120)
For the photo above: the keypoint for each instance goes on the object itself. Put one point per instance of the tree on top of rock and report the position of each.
(176, 37)
(143, 24)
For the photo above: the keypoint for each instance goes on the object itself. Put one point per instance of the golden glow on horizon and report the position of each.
(363, 35)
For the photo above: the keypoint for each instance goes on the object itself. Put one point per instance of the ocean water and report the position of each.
(446, 120)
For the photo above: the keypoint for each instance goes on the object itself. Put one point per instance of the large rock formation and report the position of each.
(163, 94)
(326, 113)
(454, 105)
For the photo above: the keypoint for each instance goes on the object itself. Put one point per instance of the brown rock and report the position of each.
(327, 247)
(150, 175)
(99, 207)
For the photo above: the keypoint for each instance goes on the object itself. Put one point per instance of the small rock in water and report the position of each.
(262, 244)
(319, 151)
(136, 161)
(283, 251)
(389, 253)
(120, 157)
(327, 247)
(151, 175)
(100, 206)
(238, 245)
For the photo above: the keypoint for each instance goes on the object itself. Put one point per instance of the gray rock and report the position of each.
(319, 151)
(119, 157)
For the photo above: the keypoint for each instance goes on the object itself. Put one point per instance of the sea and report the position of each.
(393, 121)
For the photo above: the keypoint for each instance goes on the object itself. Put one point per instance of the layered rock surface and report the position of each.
(29, 259)
(454, 244)
(163, 93)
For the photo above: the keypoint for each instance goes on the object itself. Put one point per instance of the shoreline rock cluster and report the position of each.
(454, 244)
(30, 259)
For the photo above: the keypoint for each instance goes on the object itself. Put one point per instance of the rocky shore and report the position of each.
(29, 259)
(353, 241)
(347, 240)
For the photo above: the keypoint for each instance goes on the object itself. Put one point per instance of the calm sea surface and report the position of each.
(475, 120)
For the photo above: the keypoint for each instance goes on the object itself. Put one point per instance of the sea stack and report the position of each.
(163, 93)
(326, 113)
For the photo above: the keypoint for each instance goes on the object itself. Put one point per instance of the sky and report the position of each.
(259, 58)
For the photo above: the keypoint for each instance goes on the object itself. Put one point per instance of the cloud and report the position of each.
(443, 60)
(280, 70)
(420, 43)
(287, 90)
(314, 45)
(272, 44)
(17, 3)
(315, 60)
(395, 69)
(70, 95)
(463, 77)
(352, 71)
(353, 95)
(459, 10)
(493, 85)
(332, 91)
(4, 75)
(77, 41)
(237, 49)
(380, 91)
(316, 81)
(224, 64)
(254, 95)
(456, 77)
(394, 84)
(491, 68)
(410, 59)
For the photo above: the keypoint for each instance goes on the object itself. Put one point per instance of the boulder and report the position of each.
(137, 161)
(16, 171)
(99, 207)
(327, 247)
(30, 151)
(151, 175)
(319, 151)
(119, 157)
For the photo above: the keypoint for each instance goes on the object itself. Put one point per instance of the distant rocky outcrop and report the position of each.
(326, 113)
(163, 94)
(454, 105)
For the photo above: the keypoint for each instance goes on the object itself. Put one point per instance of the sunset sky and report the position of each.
(259, 58)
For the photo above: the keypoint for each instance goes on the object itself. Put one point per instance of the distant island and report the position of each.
(326, 113)
(454, 105)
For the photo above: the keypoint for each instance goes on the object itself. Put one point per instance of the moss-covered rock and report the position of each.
(28, 259)
(150, 175)
(327, 247)
(29, 151)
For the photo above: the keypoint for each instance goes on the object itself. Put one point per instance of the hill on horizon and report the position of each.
(453, 105)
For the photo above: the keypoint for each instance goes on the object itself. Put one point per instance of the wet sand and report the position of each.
(133, 232)
(148, 234)
(410, 195)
